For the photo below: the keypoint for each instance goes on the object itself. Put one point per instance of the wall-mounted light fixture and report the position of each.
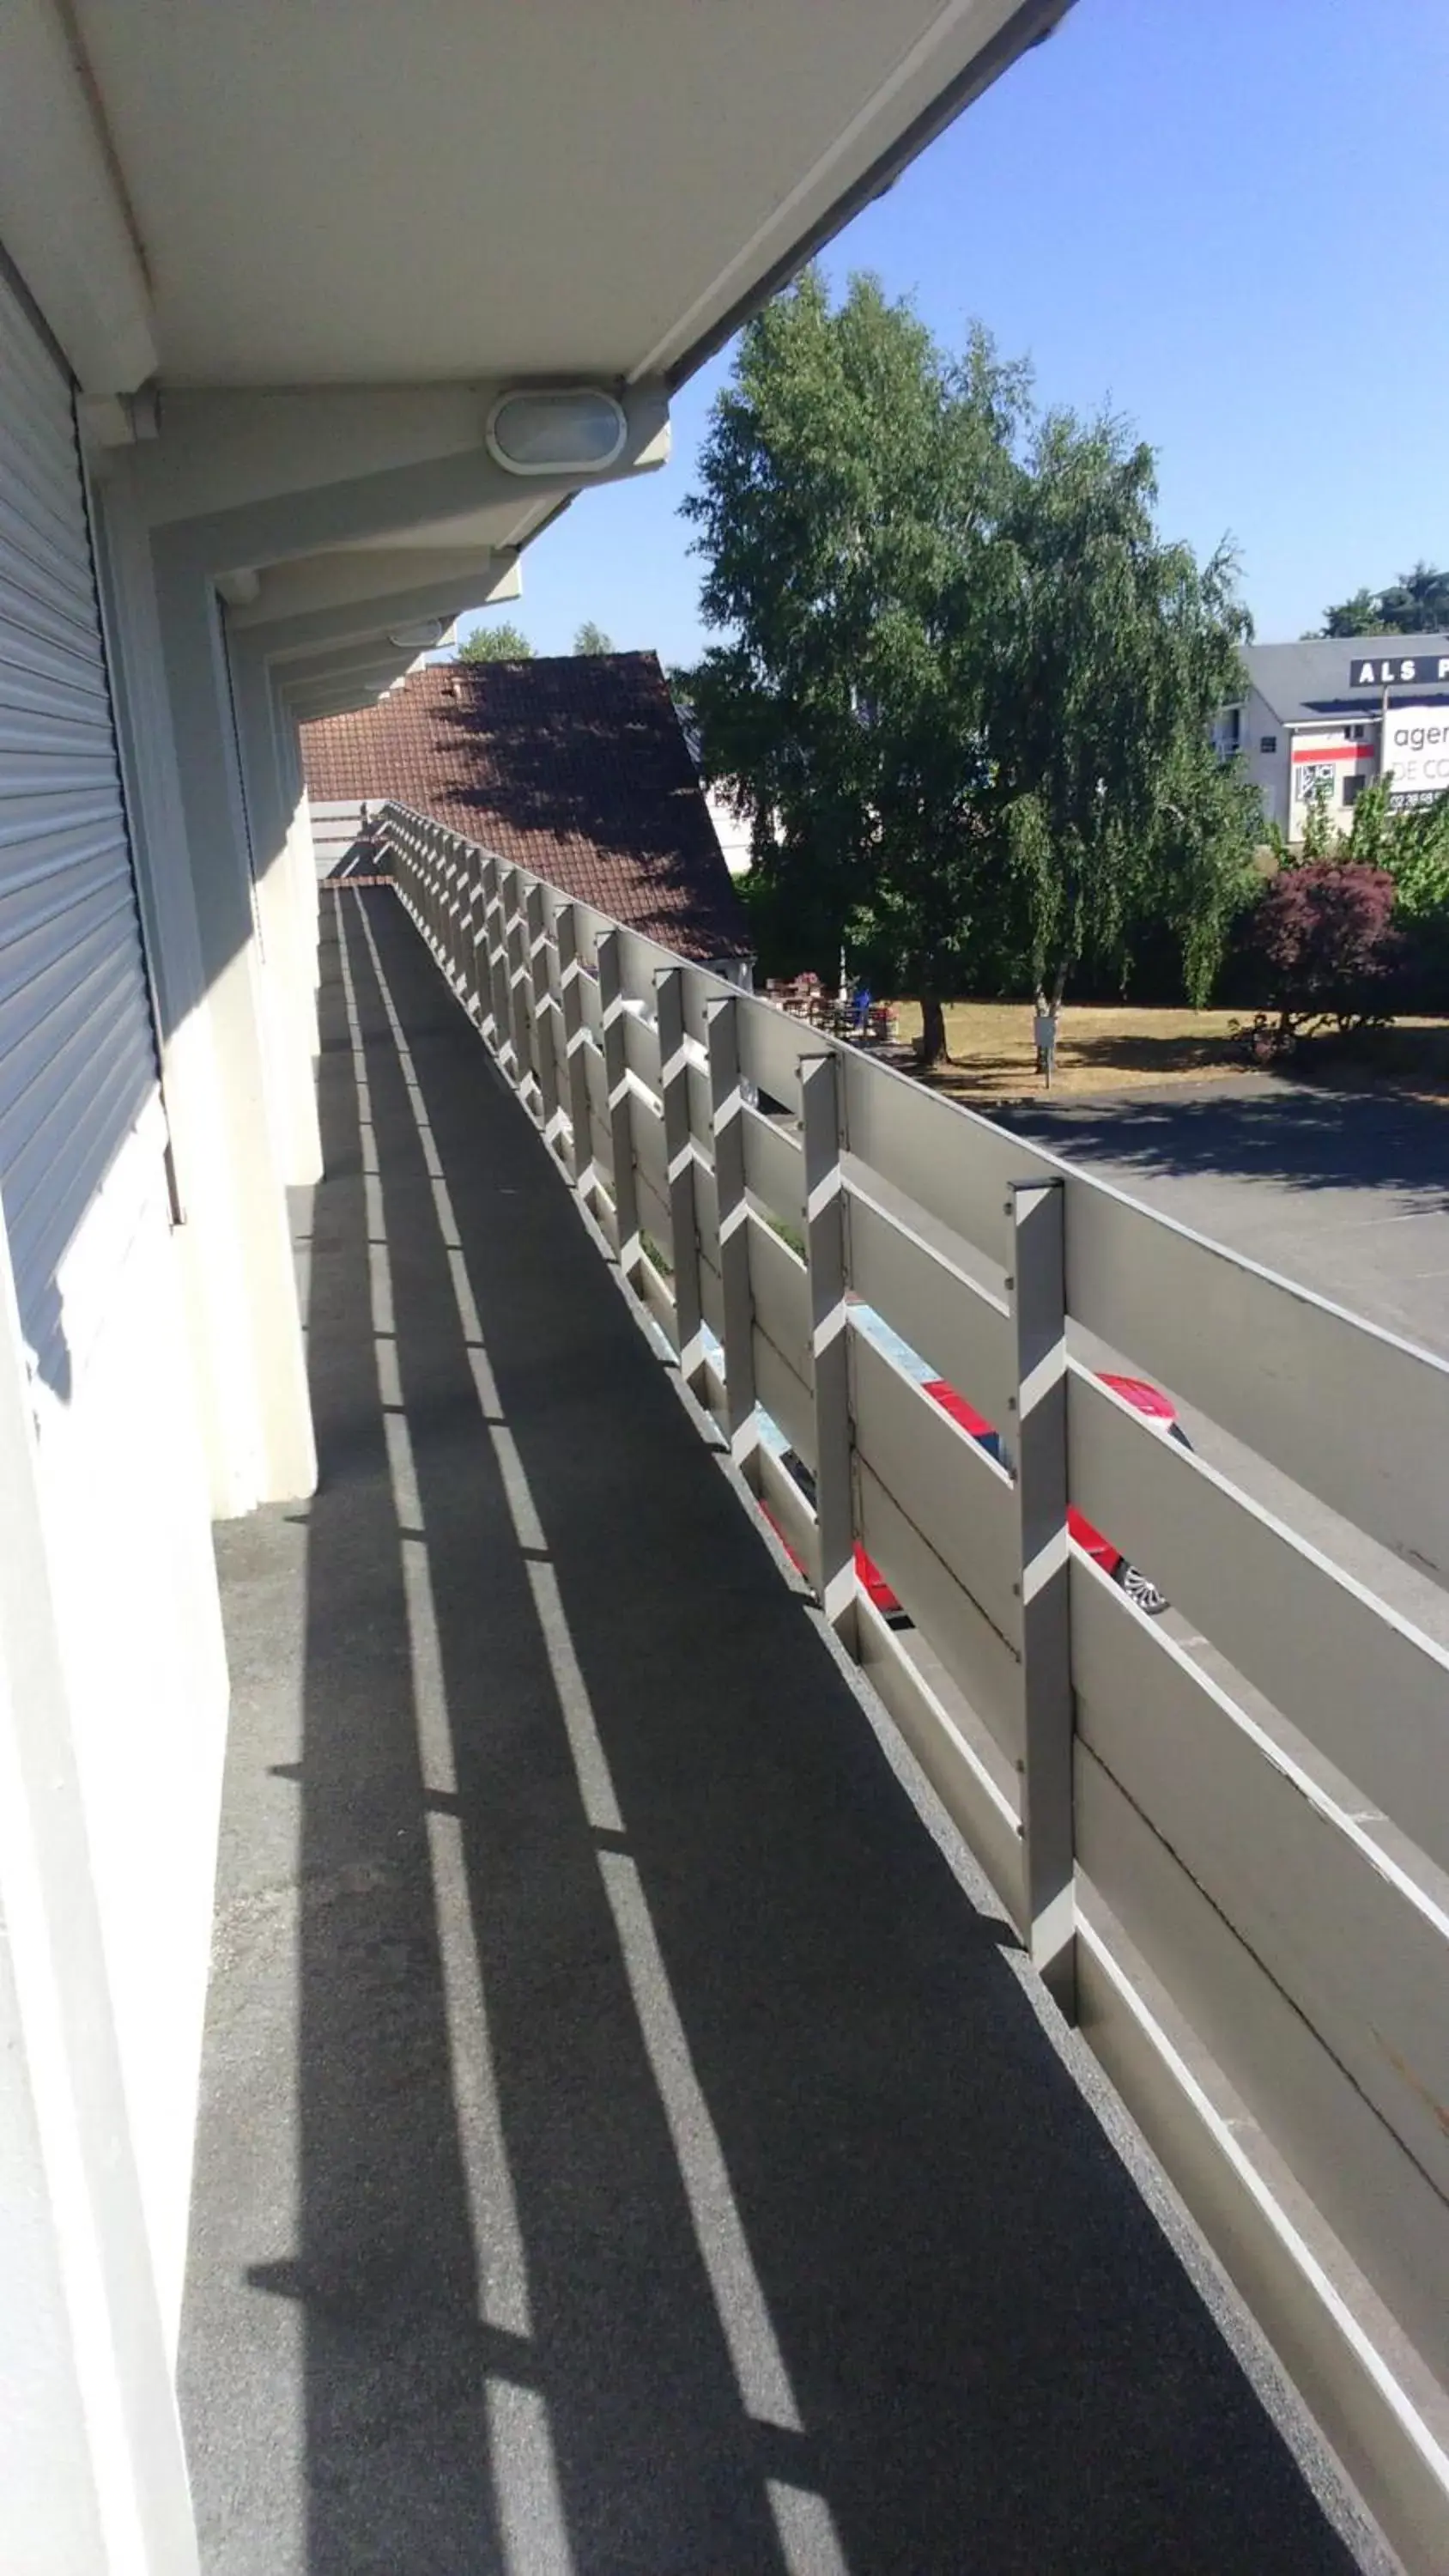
(574, 429)
(422, 635)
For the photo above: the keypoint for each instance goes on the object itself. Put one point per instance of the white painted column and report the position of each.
(283, 1461)
(213, 1085)
(287, 967)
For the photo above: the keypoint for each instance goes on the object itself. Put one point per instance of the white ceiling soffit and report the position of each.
(370, 192)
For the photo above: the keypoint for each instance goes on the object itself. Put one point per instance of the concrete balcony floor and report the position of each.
(626, 2147)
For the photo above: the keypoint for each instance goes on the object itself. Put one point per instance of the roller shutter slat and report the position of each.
(77, 1050)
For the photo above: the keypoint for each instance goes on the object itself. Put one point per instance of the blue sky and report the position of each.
(1220, 217)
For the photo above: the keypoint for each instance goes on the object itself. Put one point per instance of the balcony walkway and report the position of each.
(625, 2149)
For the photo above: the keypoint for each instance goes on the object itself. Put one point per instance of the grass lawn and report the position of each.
(1121, 1049)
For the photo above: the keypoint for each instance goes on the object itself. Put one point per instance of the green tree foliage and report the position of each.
(1413, 848)
(896, 558)
(850, 488)
(592, 639)
(1117, 811)
(1416, 604)
(502, 643)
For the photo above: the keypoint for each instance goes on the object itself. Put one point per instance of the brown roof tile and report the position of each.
(574, 766)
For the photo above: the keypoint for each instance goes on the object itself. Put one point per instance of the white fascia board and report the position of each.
(63, 218)
(967, 45)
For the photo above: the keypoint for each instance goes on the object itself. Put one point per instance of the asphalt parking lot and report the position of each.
(1346, 1193)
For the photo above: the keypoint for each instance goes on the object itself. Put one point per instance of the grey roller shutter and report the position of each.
(77, 1050)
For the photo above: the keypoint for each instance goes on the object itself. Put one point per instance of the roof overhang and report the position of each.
(263, 193)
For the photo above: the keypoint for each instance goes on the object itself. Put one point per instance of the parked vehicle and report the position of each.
(1145, 1399)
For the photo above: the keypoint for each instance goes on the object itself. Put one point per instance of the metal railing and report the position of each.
(1227, 1852)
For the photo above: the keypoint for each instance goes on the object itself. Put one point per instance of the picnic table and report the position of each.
(805, 998)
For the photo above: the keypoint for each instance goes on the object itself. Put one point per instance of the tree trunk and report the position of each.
(932, 1047)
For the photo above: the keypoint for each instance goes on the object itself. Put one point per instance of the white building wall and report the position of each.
(1331, 756)
(123, 1484)
(731, 831)
(1268, 768)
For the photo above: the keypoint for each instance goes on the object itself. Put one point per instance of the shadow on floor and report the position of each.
(624, 2147)
(1257, 1128)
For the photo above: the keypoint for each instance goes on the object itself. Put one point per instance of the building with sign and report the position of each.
(1333, 711)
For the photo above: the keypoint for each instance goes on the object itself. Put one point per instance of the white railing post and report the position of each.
(1038, 1301)
(497, 963)
(427, 887)
(537, 960)
(576, 1038)
(464, 947)
(727, 1122)
(389, 845)
(821, 1106)
(679, 1150)
(442, 883)
(441, 895)
(621, 1120)
(449, 874)
(517, 972)
(481, 979)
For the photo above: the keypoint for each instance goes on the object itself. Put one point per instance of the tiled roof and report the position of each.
(573, 766)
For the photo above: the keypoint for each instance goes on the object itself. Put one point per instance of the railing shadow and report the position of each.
(687, 2181)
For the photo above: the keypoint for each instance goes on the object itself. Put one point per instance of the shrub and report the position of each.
(1324, 941)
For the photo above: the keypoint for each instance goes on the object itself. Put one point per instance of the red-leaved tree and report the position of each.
(1326, 945)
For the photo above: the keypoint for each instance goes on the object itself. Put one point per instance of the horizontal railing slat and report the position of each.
(1372, 2194)
(793, 1520)
(646, 1126)
(1327, 1653)
(1366, 1966)
(962, 1763)
(959, 1327)
(641, 1051)
(960, 1501)
(654, 1216)
(959, 1167)
(781, 1294)
(774, 1167)
(975, 1654)
(1356, 1416)
(784, 1396)
(711, 1296)
(706, 1211)
(658, 1296)
(598, 1081)
(771, 1045)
